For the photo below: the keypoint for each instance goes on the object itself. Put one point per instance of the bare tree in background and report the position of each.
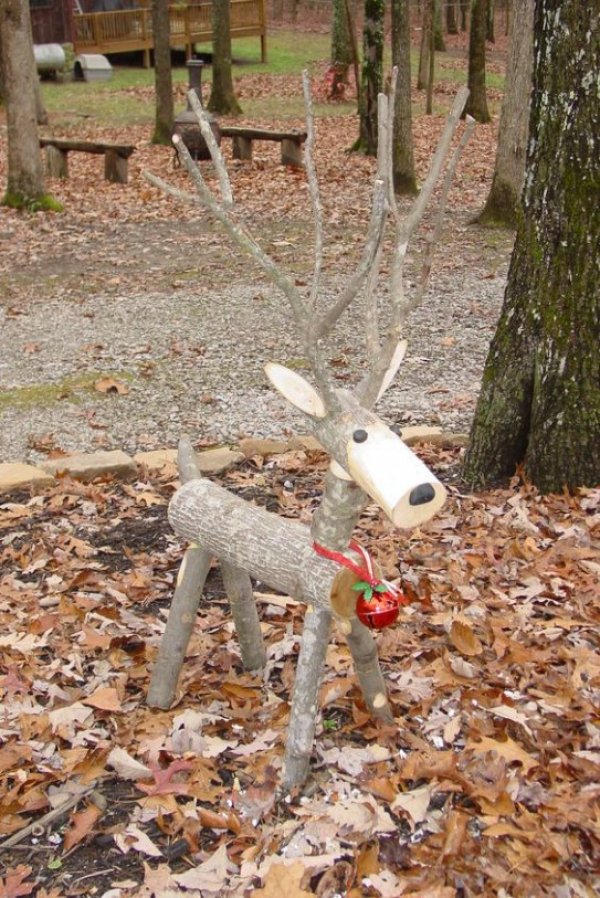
(222, 96)
(25, 184)
(477, 103)
(163, 79)
(451, 17)
(503, 199)
(426, 42)
(371, 76)
(342, 48)
(403, 157)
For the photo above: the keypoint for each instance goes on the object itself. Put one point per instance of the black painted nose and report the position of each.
(421, 494)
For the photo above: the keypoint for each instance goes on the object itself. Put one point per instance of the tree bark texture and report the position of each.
(222, 96)
(240, 593)
(403, 161)
(503, 199)
(371, 76)
(25, 182)
(163, 81)
(540, 400)
(425, 50)
(275, 551)
(477, 102)
(305, 700)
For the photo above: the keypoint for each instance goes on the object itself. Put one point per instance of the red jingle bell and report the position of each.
(377, 607)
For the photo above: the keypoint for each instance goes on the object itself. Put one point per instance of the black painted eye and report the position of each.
(359, 436)
(422, 494)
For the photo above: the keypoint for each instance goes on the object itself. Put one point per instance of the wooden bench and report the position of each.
(291, 142)
(115, 157)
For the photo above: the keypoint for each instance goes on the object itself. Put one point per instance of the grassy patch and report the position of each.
(43, 394)
(128, 98)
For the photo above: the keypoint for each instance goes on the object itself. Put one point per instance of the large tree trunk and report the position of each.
(163, 81)
(222, 96)
(403, 161)
(503, 199)
(477, 102)
(540, 402)
(25, 187)
(372, 75)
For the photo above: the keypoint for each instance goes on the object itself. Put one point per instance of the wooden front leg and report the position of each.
(180, 624)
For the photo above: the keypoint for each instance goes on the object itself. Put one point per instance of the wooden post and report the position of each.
(115, 167)
(291, 152)
(242, 147)
(56, 163)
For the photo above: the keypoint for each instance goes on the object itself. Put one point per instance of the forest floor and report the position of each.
(487, 786)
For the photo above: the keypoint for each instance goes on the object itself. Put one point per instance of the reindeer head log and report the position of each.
(365, 450)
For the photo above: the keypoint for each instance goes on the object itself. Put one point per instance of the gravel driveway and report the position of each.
(114, 367)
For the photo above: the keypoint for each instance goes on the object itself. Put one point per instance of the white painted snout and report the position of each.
(386, 469)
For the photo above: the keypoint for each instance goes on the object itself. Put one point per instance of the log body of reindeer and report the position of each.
(369, 461)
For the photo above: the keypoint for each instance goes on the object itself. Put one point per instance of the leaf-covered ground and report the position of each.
(489, 783)
(487, 786)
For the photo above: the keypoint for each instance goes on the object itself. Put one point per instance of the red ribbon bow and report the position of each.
(365, 573)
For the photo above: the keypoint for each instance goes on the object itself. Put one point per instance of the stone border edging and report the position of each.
(87, 466)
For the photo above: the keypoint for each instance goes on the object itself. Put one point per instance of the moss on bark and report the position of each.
(403, 159)
(540, 401)
(43, 203)
(371, 76)
(501, 207)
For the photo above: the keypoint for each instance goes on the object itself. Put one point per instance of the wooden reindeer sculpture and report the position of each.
(368, 459)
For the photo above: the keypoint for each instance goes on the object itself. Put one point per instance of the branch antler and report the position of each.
(313, 327)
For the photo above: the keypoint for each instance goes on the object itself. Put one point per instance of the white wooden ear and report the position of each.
(296, 390)
(395, 363)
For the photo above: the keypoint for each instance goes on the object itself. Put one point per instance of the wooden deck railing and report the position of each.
(126, 30)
